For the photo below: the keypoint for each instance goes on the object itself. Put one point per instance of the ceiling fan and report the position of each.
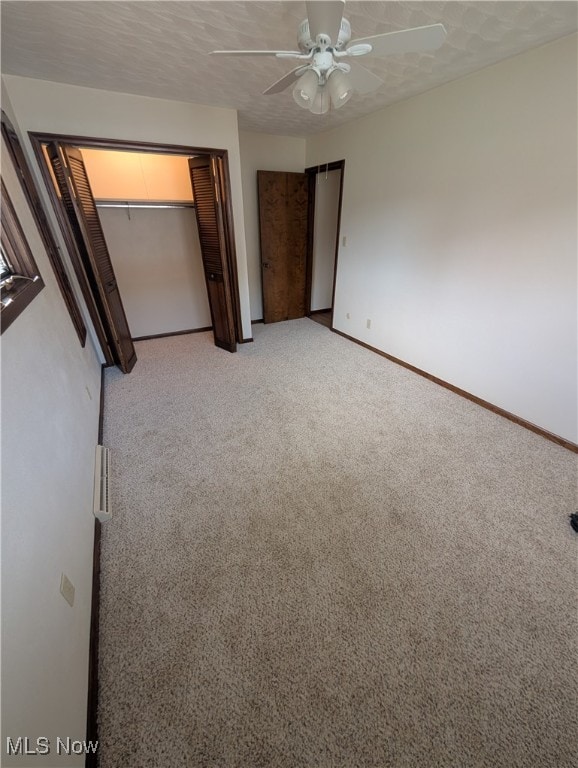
(324, 41)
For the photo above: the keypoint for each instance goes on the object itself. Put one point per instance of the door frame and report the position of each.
(312, 172)
(38, 138)
(30, 187)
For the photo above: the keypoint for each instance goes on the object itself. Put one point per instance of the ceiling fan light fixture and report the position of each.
(320, 104)
(340, 88)
(323, 80)
(305, 89)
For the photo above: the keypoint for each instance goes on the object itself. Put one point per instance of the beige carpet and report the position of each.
(320, 560)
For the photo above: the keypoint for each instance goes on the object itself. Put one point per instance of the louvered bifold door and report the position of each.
(223, 194)
(212, 237)
(81, 208)
(79, 258)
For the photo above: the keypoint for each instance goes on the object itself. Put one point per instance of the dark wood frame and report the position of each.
(173, 333)
(230, 245)
(37, 139)
(34, 201)
(312, 179)
(91, 760)
(27, 281)
(299, 252)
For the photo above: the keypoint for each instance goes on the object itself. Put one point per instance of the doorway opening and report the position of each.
(299, 221)
(190, 182)
(324, 220)
(145, 206)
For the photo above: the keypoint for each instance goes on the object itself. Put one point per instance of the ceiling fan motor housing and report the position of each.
(305, 42)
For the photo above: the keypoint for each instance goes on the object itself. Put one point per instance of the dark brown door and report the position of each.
(77, 198)
(283, 199)
(209, 208)
(223, 195)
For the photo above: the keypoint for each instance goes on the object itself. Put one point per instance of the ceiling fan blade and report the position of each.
(286, 54)
(324, 17)
(406, 40)
(285, 81)
(362, 80)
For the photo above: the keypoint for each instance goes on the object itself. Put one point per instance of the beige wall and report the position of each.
(50, 406)
(460, 212)
(137, 175)
(263, 152)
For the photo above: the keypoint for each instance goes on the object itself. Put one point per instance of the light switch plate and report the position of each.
(67, 589)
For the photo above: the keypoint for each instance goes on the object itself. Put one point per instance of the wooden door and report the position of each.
(209, 209)
(223, 195)
(78, 201)
(283, 200)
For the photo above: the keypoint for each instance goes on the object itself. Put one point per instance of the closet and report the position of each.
(145, 206)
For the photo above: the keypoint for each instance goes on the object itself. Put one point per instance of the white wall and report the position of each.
(460, 212)
(40, 105)
(327, 187)
(263, 152)
(50, 405)
(156, 256)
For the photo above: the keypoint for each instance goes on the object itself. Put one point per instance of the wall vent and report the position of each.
(102, 509)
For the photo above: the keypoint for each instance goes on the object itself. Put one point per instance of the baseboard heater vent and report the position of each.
(102, 509)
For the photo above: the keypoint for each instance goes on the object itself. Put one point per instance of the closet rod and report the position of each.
(142, 204)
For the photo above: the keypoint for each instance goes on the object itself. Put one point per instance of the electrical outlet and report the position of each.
(348, 315)
(368, 324)
(88, 393)
(344, 241)
(67, 589)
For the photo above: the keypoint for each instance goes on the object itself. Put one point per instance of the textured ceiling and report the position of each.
(160, 49)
